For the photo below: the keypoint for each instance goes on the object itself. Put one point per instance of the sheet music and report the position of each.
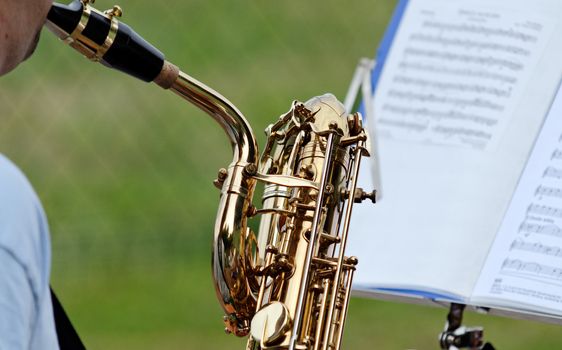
(456, 73)
(445, 197)
(525, 263)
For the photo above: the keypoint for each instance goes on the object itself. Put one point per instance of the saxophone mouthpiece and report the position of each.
(101, 37)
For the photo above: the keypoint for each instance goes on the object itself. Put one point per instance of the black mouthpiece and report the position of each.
(101, 38)
(66, 17)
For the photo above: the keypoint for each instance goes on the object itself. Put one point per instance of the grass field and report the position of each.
(125, 170)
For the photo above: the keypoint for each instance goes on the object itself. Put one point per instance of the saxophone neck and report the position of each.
(102, 38)
(231, 120)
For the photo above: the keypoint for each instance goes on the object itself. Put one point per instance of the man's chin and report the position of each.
(33, 45)
(11, 61)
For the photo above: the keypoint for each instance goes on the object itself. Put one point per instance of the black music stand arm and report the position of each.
(456, 336)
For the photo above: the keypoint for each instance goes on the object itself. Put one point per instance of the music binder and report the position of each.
(469, 129)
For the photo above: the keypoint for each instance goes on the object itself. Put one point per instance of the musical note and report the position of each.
(438, 115)
(552, 172)
(412, 126)
(444, 86)
(460, 131)
(462, 71)
(550, 229)
(556, 154)
(469, 44)
(544, 210)
(536, 247)
(479, 29)
(489, 61)
(433, 98)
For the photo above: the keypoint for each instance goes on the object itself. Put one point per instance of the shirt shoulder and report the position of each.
(24, 239)
(23, 226)
(14, 186)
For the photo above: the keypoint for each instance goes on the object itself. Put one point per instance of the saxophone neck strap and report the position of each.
(66, 334)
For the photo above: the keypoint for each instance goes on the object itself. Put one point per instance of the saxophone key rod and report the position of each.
(297, 322)
(340, 262)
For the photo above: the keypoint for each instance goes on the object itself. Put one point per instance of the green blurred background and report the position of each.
(125, 169)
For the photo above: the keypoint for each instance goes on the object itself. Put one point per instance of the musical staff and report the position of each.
(544, 210)
(449, 114)
(525, 268)
(506, 33)
(403, 124)
(552, 172)
(470, 44)
(550, 229)
(536, 247)
(487, 61)
(548, 191)
(458, 71)
(460, 131)
(450, 86)
(445, 100)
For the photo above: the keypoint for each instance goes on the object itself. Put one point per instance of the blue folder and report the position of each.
(386, 43)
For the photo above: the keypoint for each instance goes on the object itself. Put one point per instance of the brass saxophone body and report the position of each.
(287, 287)
(305, 277)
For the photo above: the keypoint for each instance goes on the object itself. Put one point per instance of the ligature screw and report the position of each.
(116, 11)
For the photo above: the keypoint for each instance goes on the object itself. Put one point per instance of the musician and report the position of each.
(26, 314)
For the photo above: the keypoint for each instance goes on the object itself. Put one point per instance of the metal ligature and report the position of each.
(288, 286)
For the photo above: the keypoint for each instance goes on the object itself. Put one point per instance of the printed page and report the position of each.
(525, 262)
(461, 98)
(459, 72)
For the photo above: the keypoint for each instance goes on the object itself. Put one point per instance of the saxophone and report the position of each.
(288, 286)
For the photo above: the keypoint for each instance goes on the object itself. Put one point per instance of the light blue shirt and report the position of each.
(26, 314)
